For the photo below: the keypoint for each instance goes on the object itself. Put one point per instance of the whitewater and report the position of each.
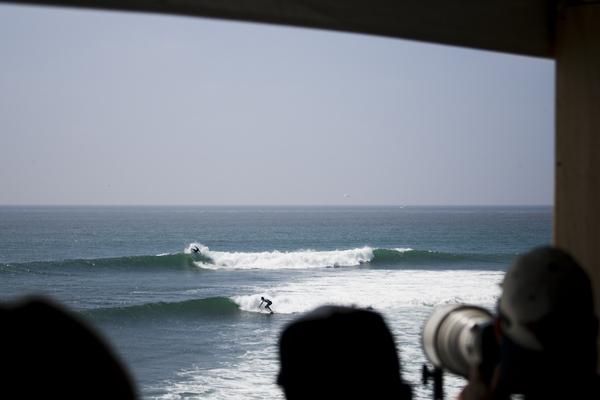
(301, 259)
(188, 325)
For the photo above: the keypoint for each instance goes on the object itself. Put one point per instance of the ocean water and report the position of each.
(188, 325)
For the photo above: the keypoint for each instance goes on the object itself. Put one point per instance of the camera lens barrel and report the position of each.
(452, 337)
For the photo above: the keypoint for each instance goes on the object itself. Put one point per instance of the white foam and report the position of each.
(301, 259)
(385, 291)
(252, 378)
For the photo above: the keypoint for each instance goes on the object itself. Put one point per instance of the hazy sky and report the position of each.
(121, 108)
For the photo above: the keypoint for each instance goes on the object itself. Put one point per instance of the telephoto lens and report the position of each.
(453, 337)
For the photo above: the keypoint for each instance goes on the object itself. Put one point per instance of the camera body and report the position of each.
(459, 337)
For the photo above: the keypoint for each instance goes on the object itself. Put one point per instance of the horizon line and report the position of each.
(272, 205)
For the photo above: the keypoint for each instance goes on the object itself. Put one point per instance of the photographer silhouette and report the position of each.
(340, 353)
(49, 352)
(546, 330)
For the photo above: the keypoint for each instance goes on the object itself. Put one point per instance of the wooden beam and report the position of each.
(515, 26)
(577, 199)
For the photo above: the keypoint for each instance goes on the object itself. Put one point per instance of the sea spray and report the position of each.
(385, 291)
(301, 259)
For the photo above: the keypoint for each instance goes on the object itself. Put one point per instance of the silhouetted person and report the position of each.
(268, 304)
(340, 353)
(547, 332)
(48, 353)
(195, 249)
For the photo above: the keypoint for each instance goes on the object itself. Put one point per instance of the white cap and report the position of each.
(542, 282)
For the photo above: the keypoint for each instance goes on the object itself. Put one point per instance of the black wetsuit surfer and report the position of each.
(195, 249)
(268, 306)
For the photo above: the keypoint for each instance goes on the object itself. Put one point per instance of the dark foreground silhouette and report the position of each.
(340, 353)
(49, 353)
(547, 332)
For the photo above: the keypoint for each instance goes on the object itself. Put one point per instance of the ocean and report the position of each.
(188, 325)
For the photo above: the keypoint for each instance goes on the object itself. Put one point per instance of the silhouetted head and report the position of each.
(262, 298)
(547, 320)
(340, 353)
(49, 353)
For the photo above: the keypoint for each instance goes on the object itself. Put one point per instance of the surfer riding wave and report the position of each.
(268, 304)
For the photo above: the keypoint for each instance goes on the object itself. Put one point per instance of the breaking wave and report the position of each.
(207, 259)
(403, 289)
(303, 259)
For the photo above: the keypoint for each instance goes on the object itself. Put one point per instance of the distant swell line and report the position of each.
(167, 261)
(213, 306)
(424, 257)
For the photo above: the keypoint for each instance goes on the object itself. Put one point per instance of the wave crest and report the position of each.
(301, 259)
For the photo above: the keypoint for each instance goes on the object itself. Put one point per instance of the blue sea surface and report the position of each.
(189, 326)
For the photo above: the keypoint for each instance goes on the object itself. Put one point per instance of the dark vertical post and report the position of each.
(577, 191)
